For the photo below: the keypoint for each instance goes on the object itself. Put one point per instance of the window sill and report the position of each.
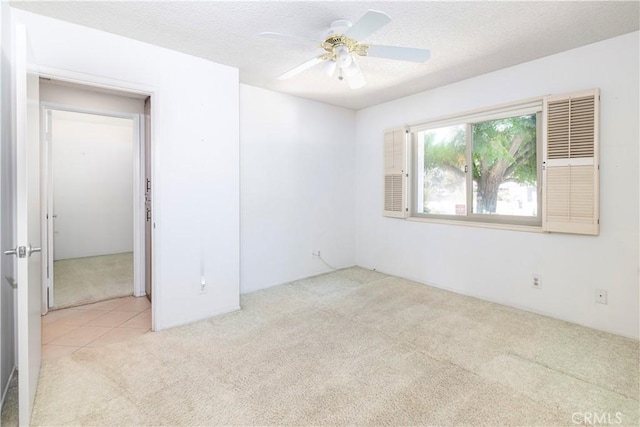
(510, 227)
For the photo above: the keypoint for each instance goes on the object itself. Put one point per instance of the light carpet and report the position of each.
(353, 347)
(9, 417)
(79, 281)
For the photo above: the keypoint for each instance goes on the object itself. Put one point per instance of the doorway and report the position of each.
(91, 181)
(97, 198)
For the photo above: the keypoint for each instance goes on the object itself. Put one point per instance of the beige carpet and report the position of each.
(80, 281)
(10, 406)
(353, 347)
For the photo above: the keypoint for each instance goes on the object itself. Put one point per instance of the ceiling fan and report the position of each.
(342, 44)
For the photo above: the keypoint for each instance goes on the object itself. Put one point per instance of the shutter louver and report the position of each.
(558, 130)
(571, 175)
(582, 127)
(393, 193)
(395, 181)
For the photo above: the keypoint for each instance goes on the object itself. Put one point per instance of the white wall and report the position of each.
(195, 158)
(7, 324)
(92, 167)
(496, 264)
(297, 187)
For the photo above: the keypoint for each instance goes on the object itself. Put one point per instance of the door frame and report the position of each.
(46, 108)
(138, 89)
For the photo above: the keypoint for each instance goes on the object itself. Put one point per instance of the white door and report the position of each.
(29, 267)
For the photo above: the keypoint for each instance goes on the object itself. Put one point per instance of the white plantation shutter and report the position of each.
(395, 173)
(570, 196)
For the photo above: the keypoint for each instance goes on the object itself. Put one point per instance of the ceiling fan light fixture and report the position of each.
(329, 67)
(343, 56)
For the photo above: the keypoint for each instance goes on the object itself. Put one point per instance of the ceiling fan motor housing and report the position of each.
(336, 44)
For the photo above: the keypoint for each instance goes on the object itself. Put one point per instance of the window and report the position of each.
(440, 171)
(532, 163)
(505, 167)
(479, 169)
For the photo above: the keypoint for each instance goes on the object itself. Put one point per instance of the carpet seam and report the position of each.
(571, 375)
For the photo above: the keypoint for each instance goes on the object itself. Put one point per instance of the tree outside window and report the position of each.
(504, 165)
(500, 155)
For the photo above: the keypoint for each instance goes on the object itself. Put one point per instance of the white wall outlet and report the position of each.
(601, 296)
(536, 281)
(316, 253)
(203, 286)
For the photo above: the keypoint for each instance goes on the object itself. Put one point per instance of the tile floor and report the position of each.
(94, 325)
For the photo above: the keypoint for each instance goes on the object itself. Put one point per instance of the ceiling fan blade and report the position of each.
(300, 68)
(412, 54)
(285, 37)
(355, 78)
(370, 22)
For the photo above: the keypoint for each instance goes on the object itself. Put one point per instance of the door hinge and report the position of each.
(466, 168)
(148, 214)
(148, 185)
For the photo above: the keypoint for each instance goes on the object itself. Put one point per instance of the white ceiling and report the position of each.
(466, 38)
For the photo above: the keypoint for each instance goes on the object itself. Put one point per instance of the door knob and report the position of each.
(22, 252)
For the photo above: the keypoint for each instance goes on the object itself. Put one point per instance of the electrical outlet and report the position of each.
(601, 296)
(536, 281)
(203, 286)
(316, 253)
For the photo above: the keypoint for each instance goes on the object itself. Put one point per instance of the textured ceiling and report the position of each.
(466, 38)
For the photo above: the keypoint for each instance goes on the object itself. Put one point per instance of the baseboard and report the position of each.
(6, 387)
(208, 316)
(299, 278)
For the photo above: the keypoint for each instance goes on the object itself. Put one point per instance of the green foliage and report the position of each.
(506, 146)
(446, 150)
(503, 150)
